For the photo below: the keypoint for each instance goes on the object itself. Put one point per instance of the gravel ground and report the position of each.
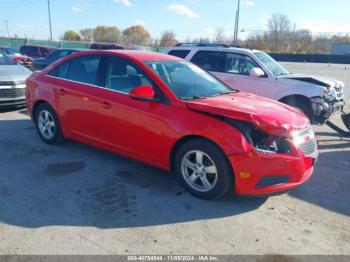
(75, 199)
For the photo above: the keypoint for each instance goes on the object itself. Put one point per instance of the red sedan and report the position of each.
(169, 113)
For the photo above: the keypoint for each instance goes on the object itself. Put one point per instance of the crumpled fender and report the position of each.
(268, 123)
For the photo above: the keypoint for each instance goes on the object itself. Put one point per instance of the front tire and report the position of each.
(47, 125)
(203, 169)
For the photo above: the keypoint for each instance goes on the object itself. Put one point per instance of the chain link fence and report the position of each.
(16, 43)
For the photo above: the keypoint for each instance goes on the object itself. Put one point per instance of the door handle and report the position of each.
(106, 105)
(62, 92)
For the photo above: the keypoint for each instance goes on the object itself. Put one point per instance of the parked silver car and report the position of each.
(12, 82)
(254, 71)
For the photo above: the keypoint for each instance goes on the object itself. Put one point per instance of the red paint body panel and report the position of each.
(147, 131)
(299, 169)
(269, 115)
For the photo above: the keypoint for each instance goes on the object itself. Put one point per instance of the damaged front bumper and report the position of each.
(323, 109)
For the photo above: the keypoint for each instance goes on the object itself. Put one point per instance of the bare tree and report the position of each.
(300, 41)
(321, 45)
(168, 38)
(220, 36)
(87, 34)
(279, 27)
(255, 41)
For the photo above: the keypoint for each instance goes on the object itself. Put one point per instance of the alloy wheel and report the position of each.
(46, 123)
(199, 171)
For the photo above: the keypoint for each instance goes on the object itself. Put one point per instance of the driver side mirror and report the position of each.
(257, 72)
(142, 93)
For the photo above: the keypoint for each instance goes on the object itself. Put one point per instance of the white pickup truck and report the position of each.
(256, 72)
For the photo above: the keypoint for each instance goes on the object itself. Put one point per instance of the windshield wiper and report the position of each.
(224, 93)
(204, 97)
(194, 97)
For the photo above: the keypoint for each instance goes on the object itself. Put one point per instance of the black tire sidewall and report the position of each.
(225, 174)
(304, 107)
(57, 137)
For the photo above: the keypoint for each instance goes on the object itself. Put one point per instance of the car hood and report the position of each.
(270, 116)
(13, 72)
(18, 55)
(312, 79)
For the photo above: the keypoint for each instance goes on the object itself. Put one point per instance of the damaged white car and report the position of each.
(256, 72)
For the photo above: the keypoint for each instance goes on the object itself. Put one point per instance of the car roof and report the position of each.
(220, 49)
(44, 46)
(137, 55)
(71, 49)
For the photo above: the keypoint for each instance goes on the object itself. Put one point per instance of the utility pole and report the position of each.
(48, 8)
(7, 27)
(235, 37)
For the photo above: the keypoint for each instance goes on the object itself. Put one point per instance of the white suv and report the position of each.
(256, 72)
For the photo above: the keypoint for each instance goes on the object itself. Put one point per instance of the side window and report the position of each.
(33, 50)
(179, 53)
(60, 71)
(24, 49)
(84, 69)
(61, 54)
(121, 75)
(239, 64)
(52, 56)
(210, 60)
(44, 52)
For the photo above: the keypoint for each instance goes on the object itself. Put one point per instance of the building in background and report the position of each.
(340, 49)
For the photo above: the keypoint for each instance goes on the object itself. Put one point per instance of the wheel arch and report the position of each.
(184, 140)
(36, 105)
(293, 100)
(295, 97)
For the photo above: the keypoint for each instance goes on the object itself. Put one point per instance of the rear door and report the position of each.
(75, 88)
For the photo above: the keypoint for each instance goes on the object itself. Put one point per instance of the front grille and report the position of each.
(309, 148)
(12, 92)
(266, 181)
(340, 96)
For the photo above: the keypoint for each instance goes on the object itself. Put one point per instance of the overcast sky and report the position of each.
(188, 18)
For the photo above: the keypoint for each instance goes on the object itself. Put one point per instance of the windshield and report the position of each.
(188, 81)
(8, 51)
(271, 64)
(5, 60)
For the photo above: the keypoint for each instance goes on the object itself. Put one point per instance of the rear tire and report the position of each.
(203, 169)
(48, 125)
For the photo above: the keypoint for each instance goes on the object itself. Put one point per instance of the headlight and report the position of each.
(340, 84)
(260, 140)
(330, 94)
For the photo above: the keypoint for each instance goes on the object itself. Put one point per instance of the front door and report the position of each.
(129, 125)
